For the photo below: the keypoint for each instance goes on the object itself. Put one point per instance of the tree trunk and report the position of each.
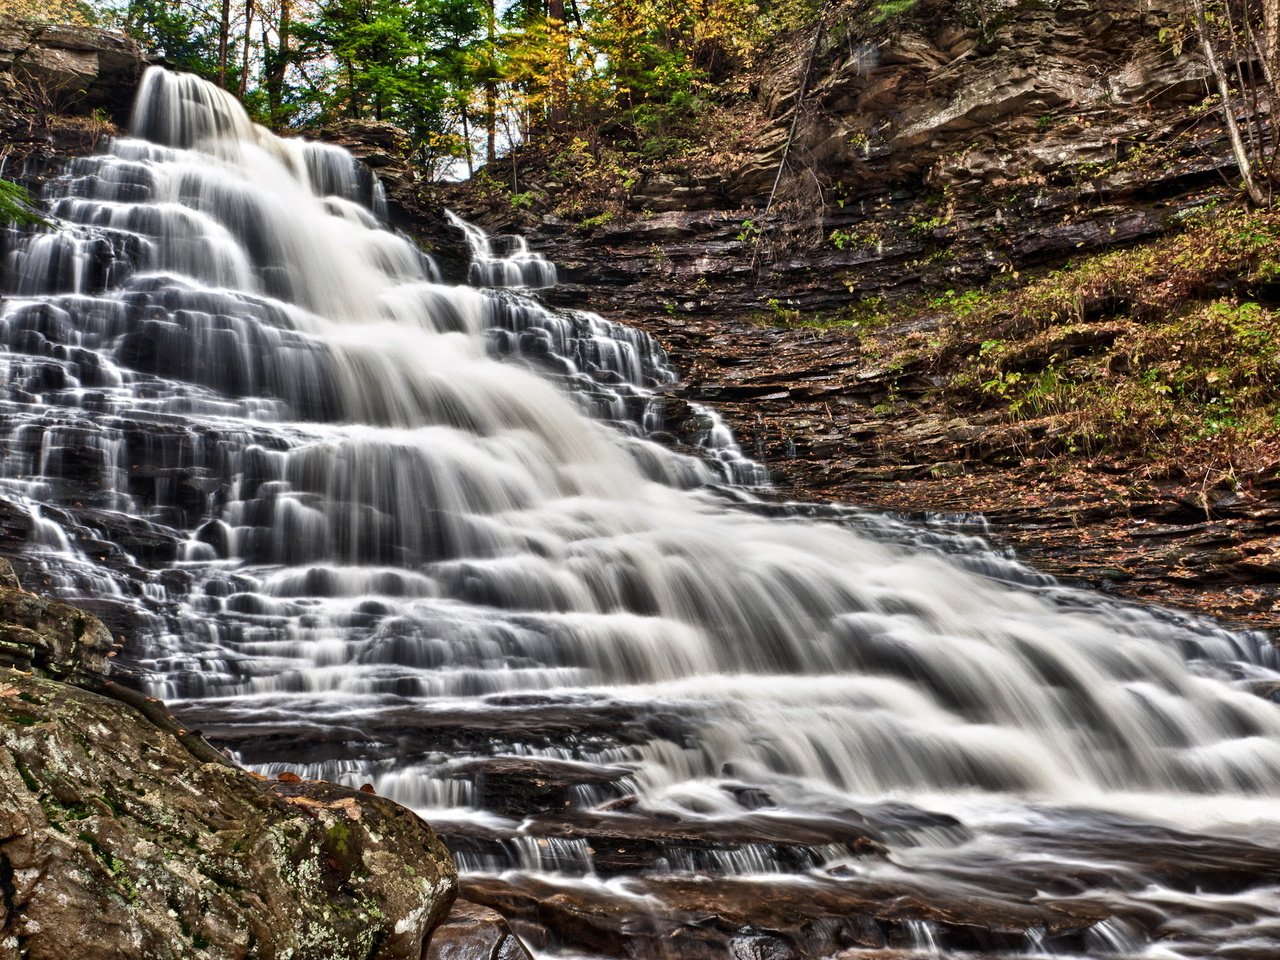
(1271, 34)
(466, 141)
(278, 64)
(1267, 47)
(491, 87)
(558, 70)
(224, 42)
(244, 62)
(1228, 109)
(354, 104)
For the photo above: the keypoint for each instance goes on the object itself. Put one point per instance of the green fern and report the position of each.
(17, 206)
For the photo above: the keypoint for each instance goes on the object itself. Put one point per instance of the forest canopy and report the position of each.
(463, 78)
(467, 80)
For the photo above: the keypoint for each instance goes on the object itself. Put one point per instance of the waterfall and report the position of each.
(519, 267)
(374, 527)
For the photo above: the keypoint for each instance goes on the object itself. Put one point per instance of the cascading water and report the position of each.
(519, 267)
(375, 528)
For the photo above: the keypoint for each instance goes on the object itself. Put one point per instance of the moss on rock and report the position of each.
(124, 835)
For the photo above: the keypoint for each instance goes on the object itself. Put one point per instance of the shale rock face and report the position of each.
(61, 90)
(124, 837)
(65, 69)
(928, 155)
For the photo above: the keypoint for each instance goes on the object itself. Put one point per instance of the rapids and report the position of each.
(369, 526)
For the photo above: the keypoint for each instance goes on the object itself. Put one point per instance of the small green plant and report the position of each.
(602, 175)
(1206, 106)
(1267, 271)
(522, 201)
(841, 239)
(1175, 37)
(922, 226)
(960, 305)
(888, 10)
(1002, 385)
(599, 220)
(991, 348)
(779, 313)
(17, 206)
(750, 233)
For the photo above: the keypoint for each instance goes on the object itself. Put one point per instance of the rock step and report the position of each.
(635, 842)
(692, 919)
(266, 732)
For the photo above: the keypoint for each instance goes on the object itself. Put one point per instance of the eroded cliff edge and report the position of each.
(930, 161)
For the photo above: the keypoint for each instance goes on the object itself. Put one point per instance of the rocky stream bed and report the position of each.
(105, 836)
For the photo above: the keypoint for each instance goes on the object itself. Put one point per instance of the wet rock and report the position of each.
(619, 839)
(276, 737)
(760, 948)
(473, 932)
(128, 836)
(623, 844)
(687, 918)
(54, 639)
(517, 786)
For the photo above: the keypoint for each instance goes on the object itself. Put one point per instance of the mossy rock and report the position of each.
(122, 843)
(54, 639)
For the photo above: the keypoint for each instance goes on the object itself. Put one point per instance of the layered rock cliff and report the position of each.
(927, 154)
(62, 88)
(930, 157)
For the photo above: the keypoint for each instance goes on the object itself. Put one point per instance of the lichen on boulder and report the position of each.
(125, 837)
(55, 639)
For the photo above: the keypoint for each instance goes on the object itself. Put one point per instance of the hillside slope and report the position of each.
(865, 335)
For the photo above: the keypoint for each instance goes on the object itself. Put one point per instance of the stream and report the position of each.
(370, 527)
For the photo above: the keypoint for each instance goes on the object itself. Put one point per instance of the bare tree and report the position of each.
(224, 42)
(248, 34)
(1239, 40)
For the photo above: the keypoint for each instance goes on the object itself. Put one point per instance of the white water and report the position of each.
(518, 267)
(389, 499)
